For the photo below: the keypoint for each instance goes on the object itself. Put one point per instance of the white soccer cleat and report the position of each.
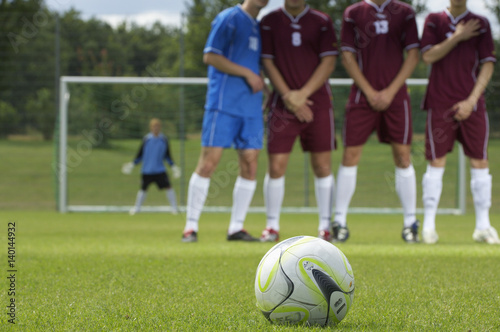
(429, 236)
(270, 235)
(488, 235)
(133, 211)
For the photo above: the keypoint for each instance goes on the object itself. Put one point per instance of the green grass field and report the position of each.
(115, 272)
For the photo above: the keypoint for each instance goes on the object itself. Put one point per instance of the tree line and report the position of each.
(38, 45)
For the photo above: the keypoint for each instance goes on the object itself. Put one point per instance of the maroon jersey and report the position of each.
(452, 78)
(296, 45)
(379, 35)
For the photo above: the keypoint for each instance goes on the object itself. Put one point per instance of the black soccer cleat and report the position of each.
(339, 233)
(241, 236)
(410, 234)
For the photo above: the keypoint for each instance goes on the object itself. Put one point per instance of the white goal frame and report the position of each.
(61, 170)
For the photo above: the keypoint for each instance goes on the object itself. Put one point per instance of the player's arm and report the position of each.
(275, 76)
(350, 63)
(303, 113)
(167, 155)
(128, 167)
(266, 91)
(464, 108)
(386, 96)
(176, 171)
(227, 66)
(140, 153)
(296, 98)
(463, 31)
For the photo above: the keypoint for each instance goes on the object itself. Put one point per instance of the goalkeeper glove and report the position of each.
(127, 168)
(176, 171)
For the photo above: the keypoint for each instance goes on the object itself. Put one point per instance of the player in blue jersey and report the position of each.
(153, 151)
(233, 114)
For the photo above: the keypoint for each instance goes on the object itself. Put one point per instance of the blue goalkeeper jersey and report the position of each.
(235, 35)
(152, 153)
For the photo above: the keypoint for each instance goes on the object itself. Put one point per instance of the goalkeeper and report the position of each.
(153, 151)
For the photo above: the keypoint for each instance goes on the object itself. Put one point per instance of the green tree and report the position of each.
(9, 119)
(22, 25)
(494, 7)
(42, 112)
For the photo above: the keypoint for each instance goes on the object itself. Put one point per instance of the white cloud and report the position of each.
(145, 19)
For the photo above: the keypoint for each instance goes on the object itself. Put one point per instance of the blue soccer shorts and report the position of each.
(225, 130)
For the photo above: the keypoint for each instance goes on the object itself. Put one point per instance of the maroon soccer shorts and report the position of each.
(442, 131)
(392, 126)
(316, 136)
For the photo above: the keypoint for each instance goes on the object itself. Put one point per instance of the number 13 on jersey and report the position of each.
(381, 27)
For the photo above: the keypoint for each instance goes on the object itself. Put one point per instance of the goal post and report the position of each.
(84, 148)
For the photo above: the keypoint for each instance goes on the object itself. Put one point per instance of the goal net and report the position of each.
(102, 121)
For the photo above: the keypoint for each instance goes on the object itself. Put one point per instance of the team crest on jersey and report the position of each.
(253, 43)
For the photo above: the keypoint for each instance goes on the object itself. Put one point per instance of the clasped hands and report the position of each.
(298, 103)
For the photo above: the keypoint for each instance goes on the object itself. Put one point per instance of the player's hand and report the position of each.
(304, 114)
(463, 110)
(372, 98)
(294, 99)
(255, 81)
(127, 168)
(176, 172)
(380, 100)
(467, 30)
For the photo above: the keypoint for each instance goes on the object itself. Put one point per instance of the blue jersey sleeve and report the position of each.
(221, 35)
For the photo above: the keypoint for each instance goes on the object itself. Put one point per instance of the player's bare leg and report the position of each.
(244, 189)
(432, 185)
(323, 185)
(274, 192)
(208, 161)
(198, 189)
(406, 188)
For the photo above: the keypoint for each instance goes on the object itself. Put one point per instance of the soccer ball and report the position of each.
(304, 280)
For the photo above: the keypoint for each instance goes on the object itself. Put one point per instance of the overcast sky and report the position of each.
(145, 12)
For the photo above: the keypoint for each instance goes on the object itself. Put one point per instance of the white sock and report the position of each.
(274, 191)
(346, 185)
(480, 185)
(406, 188)
(242, 197)
(172, 199)
(141, 196)
(324, 195)
(197, 194)
(432, 186)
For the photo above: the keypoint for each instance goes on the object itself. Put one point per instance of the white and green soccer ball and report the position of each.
(304, 280)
